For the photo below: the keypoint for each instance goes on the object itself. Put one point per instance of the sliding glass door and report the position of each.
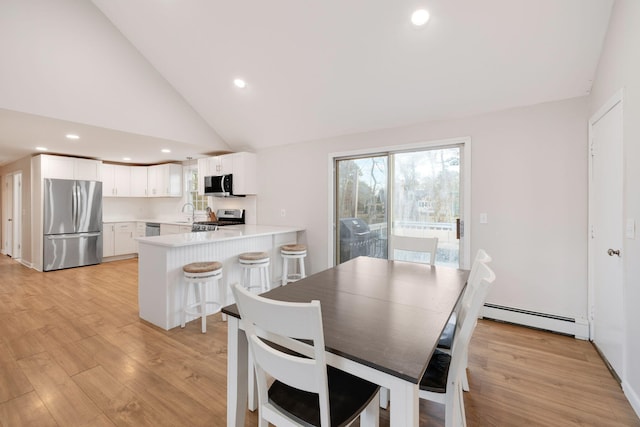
(426, 201)
(410, 193)
(361, 207)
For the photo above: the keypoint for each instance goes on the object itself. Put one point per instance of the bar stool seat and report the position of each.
(293, 252)
(259, 261)
(197, 275)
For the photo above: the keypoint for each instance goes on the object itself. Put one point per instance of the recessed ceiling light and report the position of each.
(420, 17)
(126, 159)
(41, 148)
(72, 136)
(166, 150)
(240, 83)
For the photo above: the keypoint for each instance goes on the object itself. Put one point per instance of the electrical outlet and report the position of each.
(283, 212)
(483, 218)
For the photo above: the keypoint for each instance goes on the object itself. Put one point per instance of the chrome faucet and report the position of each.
(193, 211)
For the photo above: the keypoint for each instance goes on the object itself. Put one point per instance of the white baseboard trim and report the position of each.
(26, 264)
(578, 328)
(632, 396)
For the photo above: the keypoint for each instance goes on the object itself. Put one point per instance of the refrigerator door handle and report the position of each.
(74, 205)
(71, 236)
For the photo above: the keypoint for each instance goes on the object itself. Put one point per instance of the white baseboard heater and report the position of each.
(578, 328)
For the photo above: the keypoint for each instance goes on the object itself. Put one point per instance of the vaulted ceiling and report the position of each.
(138, 75)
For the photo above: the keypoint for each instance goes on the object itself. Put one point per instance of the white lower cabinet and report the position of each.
(108, 236)
(118, 238)
(125, 242)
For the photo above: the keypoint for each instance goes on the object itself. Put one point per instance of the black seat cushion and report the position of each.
(348, 396)
(446, 339)
(435, 377)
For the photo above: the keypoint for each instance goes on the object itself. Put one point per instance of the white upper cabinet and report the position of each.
(244, 173)
(165, 180)
(175, 180)
(139, 181)
(241, 165)
(87, 169)
(116, 180)
(61, 167)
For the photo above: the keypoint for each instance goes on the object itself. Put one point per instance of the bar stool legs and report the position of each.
(259, 261)
(198, 275)
(293, 252)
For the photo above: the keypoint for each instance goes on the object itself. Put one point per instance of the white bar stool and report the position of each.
(200, 274)
(250, 261)
(293, 252)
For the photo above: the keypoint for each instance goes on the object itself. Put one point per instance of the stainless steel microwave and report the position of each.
(218, 185)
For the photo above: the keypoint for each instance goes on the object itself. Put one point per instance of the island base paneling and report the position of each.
(161, 279)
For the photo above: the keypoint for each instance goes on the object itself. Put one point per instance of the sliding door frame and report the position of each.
(465, 154)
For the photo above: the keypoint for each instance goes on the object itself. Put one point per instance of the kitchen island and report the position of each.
(161, 258)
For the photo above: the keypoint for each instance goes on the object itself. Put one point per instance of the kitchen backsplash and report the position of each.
(133, 208)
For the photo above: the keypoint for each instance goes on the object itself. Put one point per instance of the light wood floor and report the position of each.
(73, 352)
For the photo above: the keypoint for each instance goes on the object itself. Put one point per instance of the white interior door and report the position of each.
(17, 216)
(606, 219)
(7, 215)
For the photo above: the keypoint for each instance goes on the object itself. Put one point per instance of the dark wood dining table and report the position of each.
(382, 321)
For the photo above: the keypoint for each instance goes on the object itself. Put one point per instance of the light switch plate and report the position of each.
(630, 229)
(483, 218)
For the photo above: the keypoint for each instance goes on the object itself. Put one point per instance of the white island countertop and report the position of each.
(231, 232)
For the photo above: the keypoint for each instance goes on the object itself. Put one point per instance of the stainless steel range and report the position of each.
(225, 217)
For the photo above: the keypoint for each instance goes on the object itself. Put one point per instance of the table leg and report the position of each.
(252, 403)
(404, 404)
(237, 350)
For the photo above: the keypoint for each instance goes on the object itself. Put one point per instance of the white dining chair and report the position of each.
(446, 338)
(305, 391)
(442, 381)
(424, 245)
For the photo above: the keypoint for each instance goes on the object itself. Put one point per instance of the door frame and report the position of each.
(617, 98)
(465, 154)
(11, 234)
(16, 248)
(7, 212)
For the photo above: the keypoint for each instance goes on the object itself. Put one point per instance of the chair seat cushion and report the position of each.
(202, 267)
(253, 256)
(348, 396)
(435, 377)
(446, 339)
(294, 248)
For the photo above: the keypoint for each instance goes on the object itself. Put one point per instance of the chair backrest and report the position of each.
(482, 257)
(414, 244)
(468, 315)
(281, 323)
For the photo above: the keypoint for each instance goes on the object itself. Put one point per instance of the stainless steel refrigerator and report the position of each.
(72, 223)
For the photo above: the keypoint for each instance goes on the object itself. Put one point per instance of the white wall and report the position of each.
(619, 67)
(63, 59)
(529, 174)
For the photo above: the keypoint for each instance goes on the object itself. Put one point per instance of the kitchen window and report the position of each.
(200, 202)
